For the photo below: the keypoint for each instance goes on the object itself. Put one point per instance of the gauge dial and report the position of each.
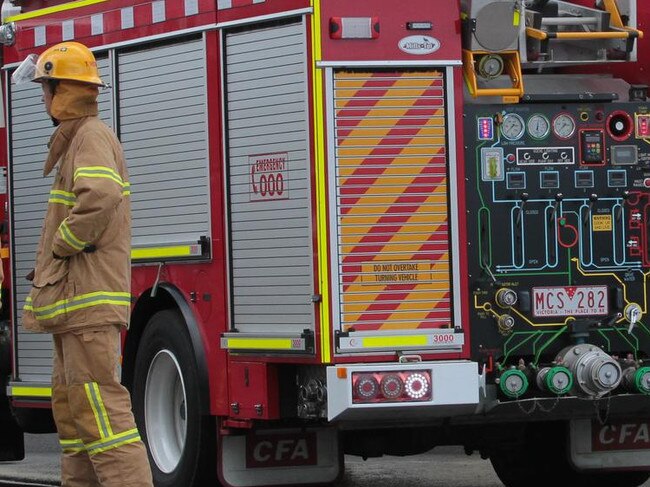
(538, 126)
(513, 126)
(564, 126)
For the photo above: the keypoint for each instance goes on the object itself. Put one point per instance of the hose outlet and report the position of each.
(513, 383)
(557, 380)
(637, 380)
(506, 298)
(595, 372)
(505, 324)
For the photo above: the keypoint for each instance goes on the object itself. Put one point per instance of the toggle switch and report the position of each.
(558, 199)
(524, 197)
(592, 199)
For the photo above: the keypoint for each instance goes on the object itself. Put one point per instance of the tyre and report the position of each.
(542, 460)
(166, 402)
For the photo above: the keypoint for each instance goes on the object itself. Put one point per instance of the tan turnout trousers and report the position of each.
(92, 410)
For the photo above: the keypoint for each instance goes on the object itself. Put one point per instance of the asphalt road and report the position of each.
(442, 467)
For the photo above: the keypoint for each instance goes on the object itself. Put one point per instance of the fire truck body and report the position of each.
(348, 238)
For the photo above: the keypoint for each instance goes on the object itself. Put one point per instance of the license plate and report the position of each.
(570, 301)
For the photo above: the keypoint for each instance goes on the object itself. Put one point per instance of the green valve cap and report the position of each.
(513, 383)
(559, 380)
(642, 380)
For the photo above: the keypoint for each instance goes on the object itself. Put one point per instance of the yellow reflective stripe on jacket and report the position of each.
(72, 446)
(70, 238)
(62, 197)
(98, 172)
(70, 199)
(99, 410)
(78, 302)
(115, 441)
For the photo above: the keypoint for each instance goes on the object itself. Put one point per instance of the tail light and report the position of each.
(391, 386)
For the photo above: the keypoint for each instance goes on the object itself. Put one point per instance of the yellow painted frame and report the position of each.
(320, 164)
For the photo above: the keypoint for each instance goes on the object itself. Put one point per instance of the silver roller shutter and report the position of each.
(163, 128)
(31, 129)
(271, 253)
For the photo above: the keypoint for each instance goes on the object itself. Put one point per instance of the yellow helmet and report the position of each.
(68, 61)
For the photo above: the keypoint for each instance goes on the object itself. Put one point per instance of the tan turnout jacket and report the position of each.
(88, 208)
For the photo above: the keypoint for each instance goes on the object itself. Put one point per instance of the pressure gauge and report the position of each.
(564, 126)
(513, 126)
(538, 126)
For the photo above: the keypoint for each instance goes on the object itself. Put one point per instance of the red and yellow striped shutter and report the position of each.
(392, 201)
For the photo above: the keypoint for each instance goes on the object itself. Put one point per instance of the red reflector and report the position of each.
(391, 386)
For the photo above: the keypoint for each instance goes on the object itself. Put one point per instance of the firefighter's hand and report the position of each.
(30, 276)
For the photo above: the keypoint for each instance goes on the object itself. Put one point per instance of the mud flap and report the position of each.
(620, 445)
(12, 441)
(292, 456)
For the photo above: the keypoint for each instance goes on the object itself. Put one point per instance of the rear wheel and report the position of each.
(542, 460)
(166, 403)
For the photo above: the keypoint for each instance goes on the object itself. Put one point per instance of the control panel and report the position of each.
(558, 203)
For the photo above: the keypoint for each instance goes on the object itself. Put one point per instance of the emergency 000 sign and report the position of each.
(269, 177)
(570, 301)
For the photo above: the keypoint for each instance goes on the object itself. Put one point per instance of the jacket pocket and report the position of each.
(48, 304)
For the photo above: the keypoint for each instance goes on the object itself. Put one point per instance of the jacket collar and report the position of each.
(60, 141)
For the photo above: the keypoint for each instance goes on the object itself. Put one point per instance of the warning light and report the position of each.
(366, 387)
(642, 126)
(391, 386)
(416, 386)
(419, 26)
(354, 27)
(485, 128)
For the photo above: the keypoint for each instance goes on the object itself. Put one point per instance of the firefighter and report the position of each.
(81, 281)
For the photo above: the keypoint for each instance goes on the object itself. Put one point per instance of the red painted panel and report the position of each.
(393, 28)
(254, 387)
(460, 198)
(240, 10)
(82, 27)
(113, 33)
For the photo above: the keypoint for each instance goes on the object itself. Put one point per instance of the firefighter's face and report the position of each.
(47, 97)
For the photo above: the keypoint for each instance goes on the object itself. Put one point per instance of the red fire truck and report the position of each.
(365, 228)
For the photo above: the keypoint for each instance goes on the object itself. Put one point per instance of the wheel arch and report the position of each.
(167, 296)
